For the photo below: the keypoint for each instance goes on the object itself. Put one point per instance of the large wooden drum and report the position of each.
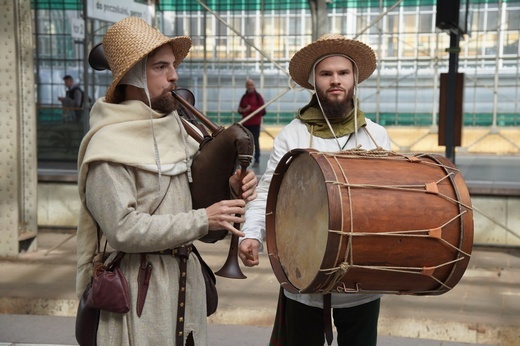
(368, 221)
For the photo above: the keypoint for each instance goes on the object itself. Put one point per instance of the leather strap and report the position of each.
(182, 252)
(327, 318)
(143, 279)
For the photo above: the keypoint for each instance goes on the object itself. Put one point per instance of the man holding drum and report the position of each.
(332, 67)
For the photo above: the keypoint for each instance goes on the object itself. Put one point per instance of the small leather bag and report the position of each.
(210, 281)
(109, 287)
(87, 320)
(107, 290)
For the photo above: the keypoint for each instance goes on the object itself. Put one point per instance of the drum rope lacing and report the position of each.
(436, 232)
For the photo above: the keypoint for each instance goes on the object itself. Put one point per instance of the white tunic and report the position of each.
(296, 135)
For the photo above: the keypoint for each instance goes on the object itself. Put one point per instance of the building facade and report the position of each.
(236, 40)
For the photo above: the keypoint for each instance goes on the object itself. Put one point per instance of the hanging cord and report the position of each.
(155, 146)
(156, 151)
(354, 99)
(188, 158)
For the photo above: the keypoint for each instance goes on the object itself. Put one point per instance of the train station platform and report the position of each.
(38, 303)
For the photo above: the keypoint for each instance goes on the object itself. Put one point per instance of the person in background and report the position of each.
(73, 101)
(331, 67)
(134, 176)
(250, 102)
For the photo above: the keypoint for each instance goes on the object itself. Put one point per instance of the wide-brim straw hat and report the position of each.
(130, 40)
(303, 61)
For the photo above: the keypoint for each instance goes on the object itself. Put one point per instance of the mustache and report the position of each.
(172, 88)
(336, 88)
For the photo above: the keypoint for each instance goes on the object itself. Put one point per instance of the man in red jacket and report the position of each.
(250, 102)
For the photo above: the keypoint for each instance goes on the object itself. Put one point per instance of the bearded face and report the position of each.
(164, 103)
(161, 77)
(334, 78)
(336, 107)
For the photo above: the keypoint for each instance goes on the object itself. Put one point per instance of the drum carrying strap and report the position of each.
(327, 319)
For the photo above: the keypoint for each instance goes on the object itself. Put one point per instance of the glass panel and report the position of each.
(390, 47)
(492, 20)
(511, 43)
(513, 19)
(426, 22)
(392, 23)
(409, 23)
(410, 49)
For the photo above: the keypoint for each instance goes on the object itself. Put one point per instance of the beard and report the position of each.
(336, 108)
(164, 103)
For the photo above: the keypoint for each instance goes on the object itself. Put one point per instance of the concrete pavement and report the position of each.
(483, 309)
(31, 330)
(38, 303)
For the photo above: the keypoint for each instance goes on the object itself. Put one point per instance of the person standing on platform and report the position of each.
(134, 176)
(73, 100)
(250, 102)
(331, 67)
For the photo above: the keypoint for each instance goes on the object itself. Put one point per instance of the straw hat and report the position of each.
(303, 61)
(130, 40)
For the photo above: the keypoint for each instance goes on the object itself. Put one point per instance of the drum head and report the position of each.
(302, 219)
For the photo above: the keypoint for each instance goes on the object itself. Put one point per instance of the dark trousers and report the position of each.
(356, 326)
(255, 131)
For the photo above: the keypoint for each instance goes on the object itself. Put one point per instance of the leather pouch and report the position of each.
(110, 288)
(210, 280)
(87, 320)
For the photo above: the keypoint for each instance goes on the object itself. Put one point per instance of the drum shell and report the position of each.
(388, 232)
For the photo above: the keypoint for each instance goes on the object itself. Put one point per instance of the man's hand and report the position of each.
(248, 252)
(224, 214)
(246, 189)
(244, 109)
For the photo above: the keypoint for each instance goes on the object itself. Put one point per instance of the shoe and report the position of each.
(256, 164)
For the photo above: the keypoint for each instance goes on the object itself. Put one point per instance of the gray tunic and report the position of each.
(135, 217)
